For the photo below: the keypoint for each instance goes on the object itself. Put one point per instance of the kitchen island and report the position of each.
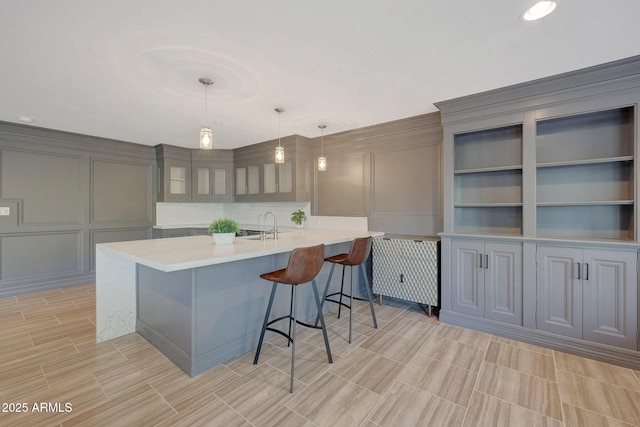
(199, 303)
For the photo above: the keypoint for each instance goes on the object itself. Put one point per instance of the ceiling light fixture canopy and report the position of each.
(322, 160)
(539, 10)
(206, 136)
(279, 148)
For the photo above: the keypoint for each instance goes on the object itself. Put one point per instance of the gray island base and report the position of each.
(208, 309)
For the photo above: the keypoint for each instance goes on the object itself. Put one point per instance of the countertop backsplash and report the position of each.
(202, 214)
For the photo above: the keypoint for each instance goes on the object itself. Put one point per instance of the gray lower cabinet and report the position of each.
(161, 233)
(588, 293)
(486, 280)
(407, 269)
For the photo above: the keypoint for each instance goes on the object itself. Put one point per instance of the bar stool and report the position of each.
(358, 254)
(304, 265)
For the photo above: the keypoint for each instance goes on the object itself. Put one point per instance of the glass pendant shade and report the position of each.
(322, 164)
(279, 148)
(206, 138)
(322, 160)
(279, 154)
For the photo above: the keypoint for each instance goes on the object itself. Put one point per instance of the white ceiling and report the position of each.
(129, 69)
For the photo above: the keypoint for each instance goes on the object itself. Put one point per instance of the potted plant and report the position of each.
(298, 217)
(224, 230)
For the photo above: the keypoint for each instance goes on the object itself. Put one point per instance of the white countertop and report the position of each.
(181, 253)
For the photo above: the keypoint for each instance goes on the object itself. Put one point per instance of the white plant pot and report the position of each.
(223, 238)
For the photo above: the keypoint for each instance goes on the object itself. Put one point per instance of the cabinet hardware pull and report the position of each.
(586, 274)
(480, 258)
(401, 278)
(579, 268)
(486, 261)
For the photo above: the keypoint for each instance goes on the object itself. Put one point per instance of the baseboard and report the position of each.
(592, 350)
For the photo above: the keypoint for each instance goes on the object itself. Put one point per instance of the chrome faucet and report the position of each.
(275, 224)
(261, 227)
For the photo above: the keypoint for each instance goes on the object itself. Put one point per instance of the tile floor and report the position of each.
(412, 371)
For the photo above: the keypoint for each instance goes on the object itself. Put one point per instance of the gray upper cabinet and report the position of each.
(186, 175)
(260, 179)
(174, 173)
(212, 177)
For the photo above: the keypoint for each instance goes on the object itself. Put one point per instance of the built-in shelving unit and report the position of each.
(585, 175)
(488, 181)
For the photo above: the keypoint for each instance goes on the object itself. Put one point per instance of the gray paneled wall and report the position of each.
(391, 173)
(65, 193)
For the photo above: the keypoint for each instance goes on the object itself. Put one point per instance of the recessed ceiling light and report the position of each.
(25, 119)
(539, 10)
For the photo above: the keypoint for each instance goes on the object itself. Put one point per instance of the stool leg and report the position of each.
(264, 324)
(324, 295)
(366, 283)
(350, 301)
(324, 328)
(293, 336)
(291, 307)
(341, 291)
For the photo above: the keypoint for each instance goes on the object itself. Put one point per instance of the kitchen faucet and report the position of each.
(275, 225)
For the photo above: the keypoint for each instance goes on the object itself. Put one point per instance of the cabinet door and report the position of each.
(503, 282)
(278, 180)
(386, 267)
(610, 282)
(467, 277)
(559, 288)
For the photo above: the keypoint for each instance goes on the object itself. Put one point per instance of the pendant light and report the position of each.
(279, 148)
(206, 136)
(322, 160)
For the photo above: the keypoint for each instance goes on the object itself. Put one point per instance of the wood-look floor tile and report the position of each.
(597, 396)
(369, 370)
(81, 364)
(50, 308)
(36, 355)
(281, 416)
(361, 323)
(80, 328)
(530, 362)
(404, 405)
(419, 314)
(140, 406)
(338, 340)
(528, 391)
(384, 313)
(392, 346)
(15, 325)
(597, 370)
(439, 378)
(206, 412)
(21, 381)
(485, 410)
(244, 364)
(420, 331)
(578, 417)
(310, 362)
(81, 395)
(253, 395)
(466, 336)
(74, 314)
(181, 391)
(522, 345)
(454, 352)
(132, 374)
(334, 401)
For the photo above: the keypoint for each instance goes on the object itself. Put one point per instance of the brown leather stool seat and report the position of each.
(358, 254)
(303, 267)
